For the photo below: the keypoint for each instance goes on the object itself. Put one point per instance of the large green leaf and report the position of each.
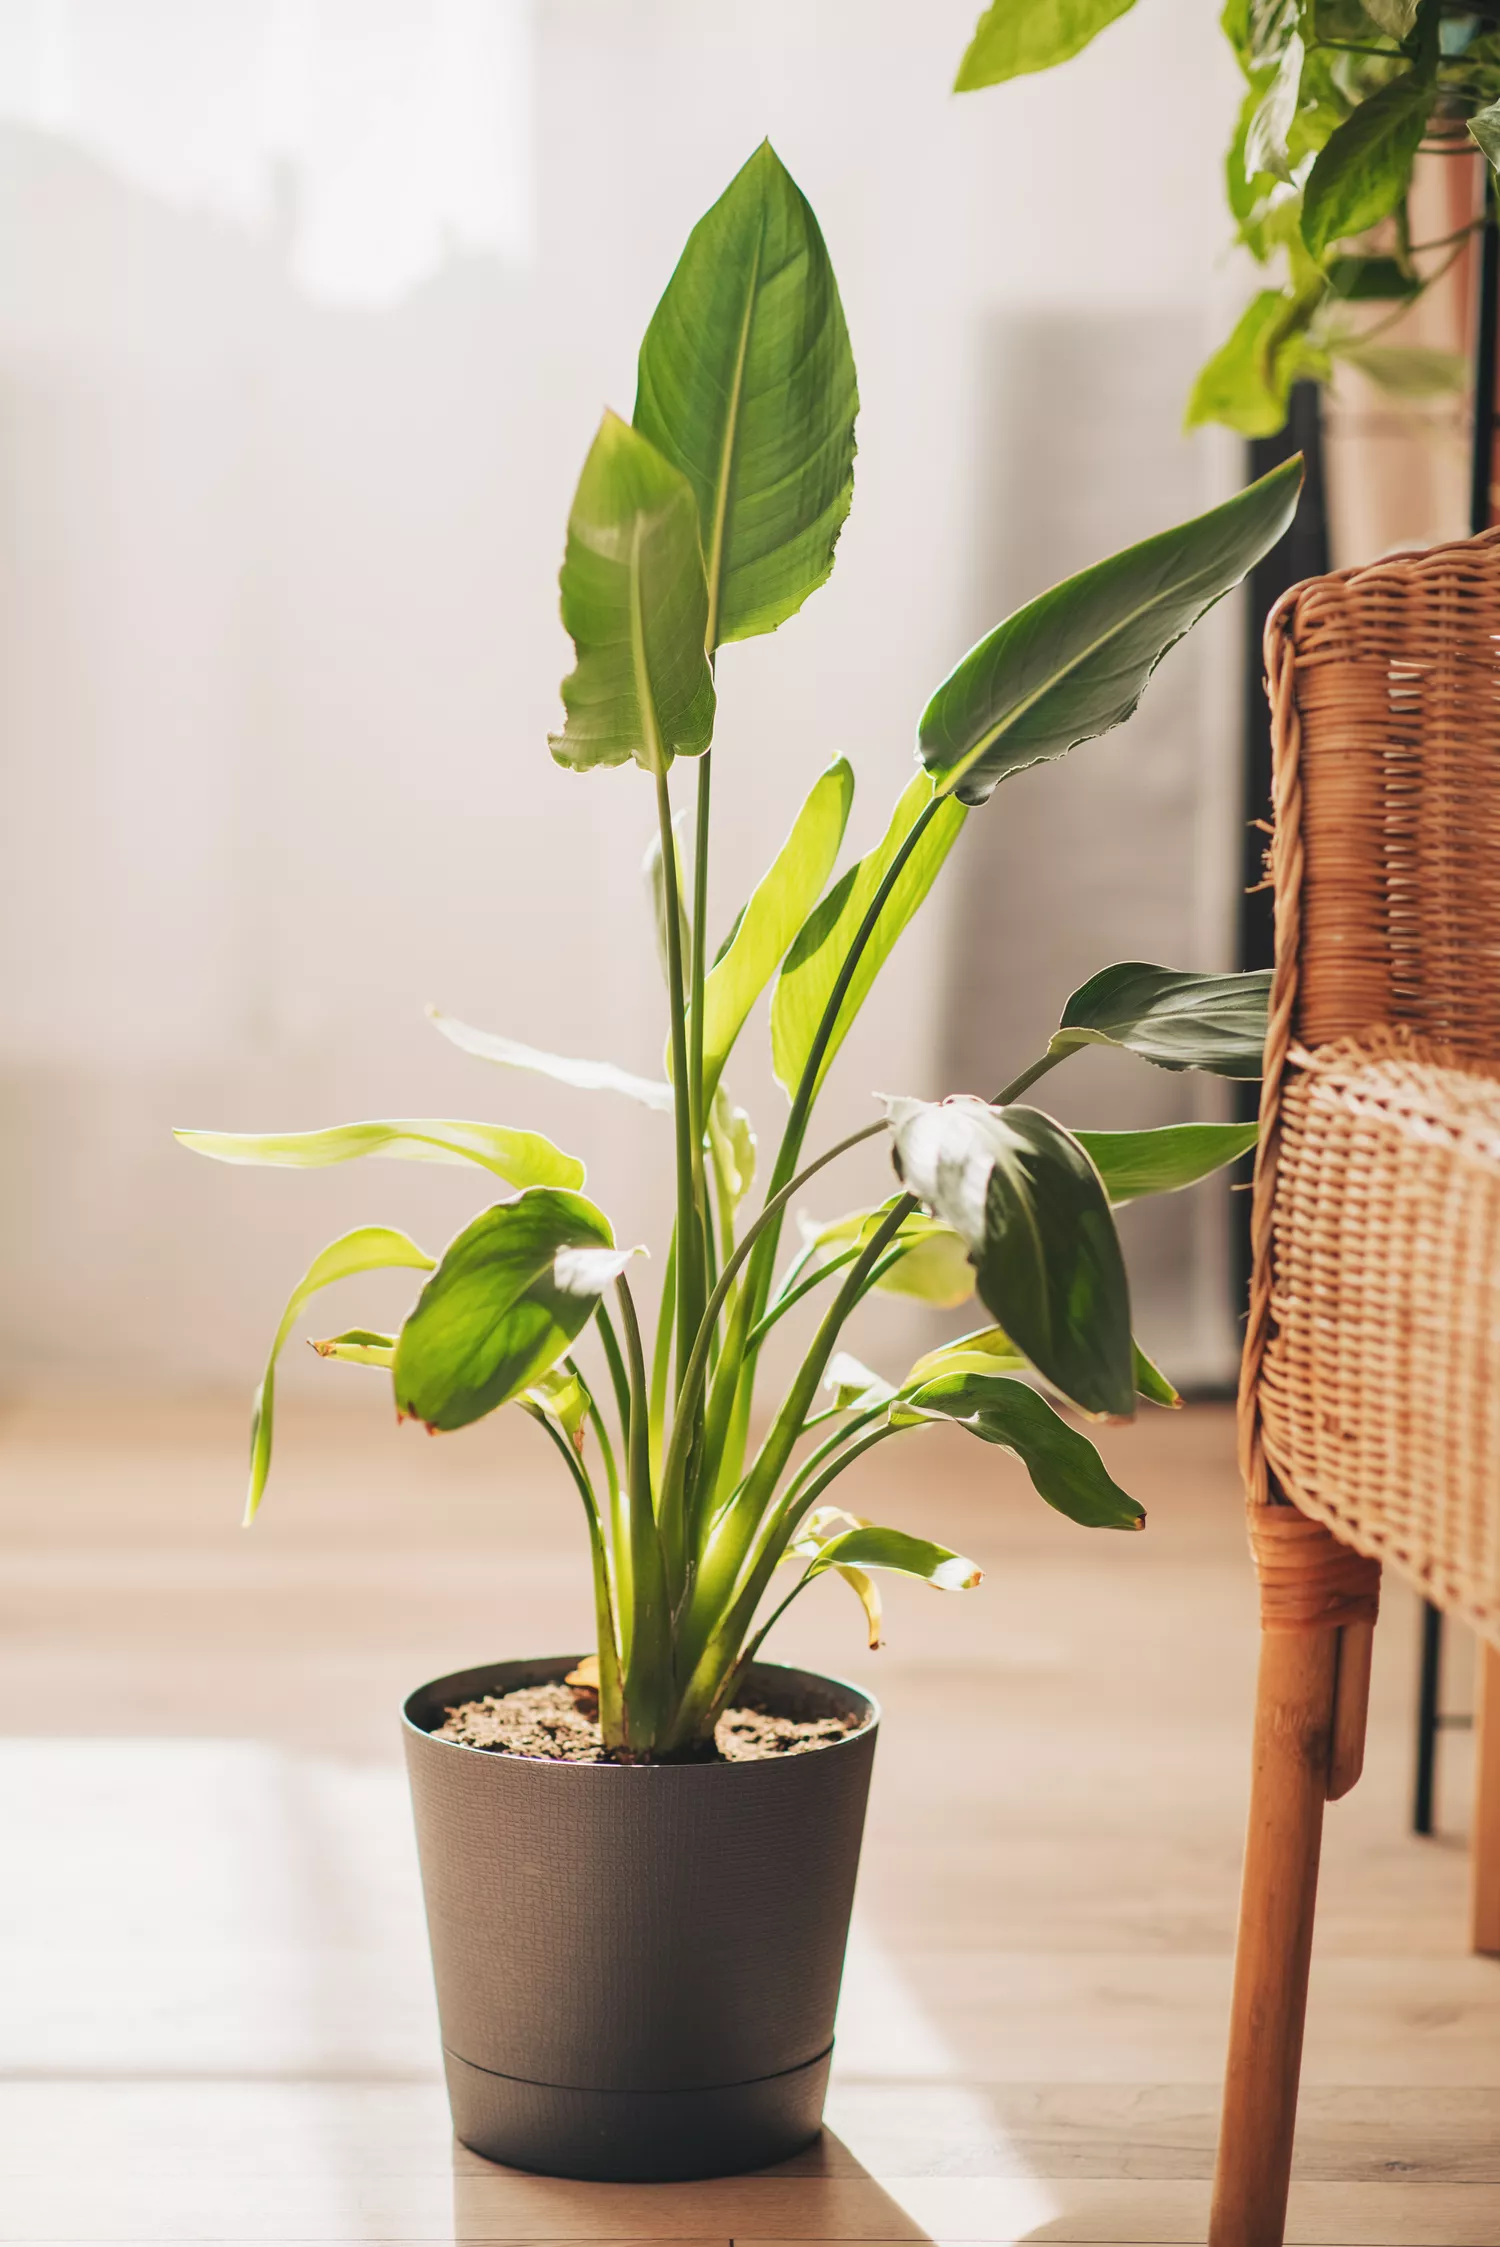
(1363, 170)
(1177, 1020)
(507, 1298)
(521, 1158)
(371, 1248)
(776, 909)
(747, 386)
(812, 966)
(1075, 662)
(1028, 1205)
(869, 1547)
(1017, 36)
(1133, 1163)
(635, 604)
(1063, 1465)
(585, 1076)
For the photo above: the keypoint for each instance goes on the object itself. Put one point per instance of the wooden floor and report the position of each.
(216, 2016)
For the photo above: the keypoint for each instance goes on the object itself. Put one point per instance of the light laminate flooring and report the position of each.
(216, 2020)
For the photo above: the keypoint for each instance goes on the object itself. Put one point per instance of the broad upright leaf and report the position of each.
(635, 604)
(1177, 1020)
(1132, 1163)
(1028, 1205)
(1063, 1465)
(1075, 662)
(776, 909)
(585, 1076)
(507, 1298)
(747, 386)
(521, 1158)
(371, 1248)
(1363, 170)
(812, 966)
(1017, 36)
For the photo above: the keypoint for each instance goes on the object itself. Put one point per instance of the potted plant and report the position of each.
(1340, 97)
(638, 1898)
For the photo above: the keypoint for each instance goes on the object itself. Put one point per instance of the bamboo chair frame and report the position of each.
(1370, 1387)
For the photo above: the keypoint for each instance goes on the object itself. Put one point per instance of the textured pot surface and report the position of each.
(637, 1965)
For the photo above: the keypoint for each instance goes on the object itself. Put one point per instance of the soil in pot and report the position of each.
(559, 1723)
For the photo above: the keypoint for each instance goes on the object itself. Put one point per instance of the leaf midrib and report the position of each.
(726, 453)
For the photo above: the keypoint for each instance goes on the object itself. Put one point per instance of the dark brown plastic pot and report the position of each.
(637, 1965)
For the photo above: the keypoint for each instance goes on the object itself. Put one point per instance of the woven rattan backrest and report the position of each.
(1385, 687)
(1376, 1175)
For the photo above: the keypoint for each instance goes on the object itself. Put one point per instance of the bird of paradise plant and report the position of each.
(711, 516)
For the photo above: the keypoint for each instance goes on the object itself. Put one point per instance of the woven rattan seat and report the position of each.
(1370, 1385)
(1378, 1385)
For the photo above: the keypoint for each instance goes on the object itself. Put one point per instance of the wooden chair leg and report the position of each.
(1484, 1855)
(1294, 1725)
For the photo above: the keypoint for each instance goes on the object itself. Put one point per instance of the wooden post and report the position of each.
(1294, 1709)
(1484, 1852)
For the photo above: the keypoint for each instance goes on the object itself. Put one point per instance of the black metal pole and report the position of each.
(1481, 468)
(1302, 552)
(1481, 479)
(1429, 1687)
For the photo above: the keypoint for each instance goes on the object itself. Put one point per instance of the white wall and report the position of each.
(290, 414)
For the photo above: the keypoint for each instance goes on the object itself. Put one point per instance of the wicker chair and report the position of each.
(1370, 1394)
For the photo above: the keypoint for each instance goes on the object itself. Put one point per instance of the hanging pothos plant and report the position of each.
(1340, 96)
